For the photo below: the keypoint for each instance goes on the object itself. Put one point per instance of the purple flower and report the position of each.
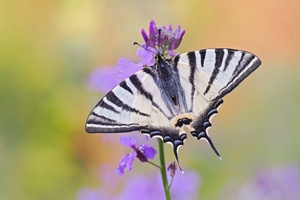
(163, 38)
(147, 56)
(103, 79)
(91, 194)
(146, 187)
(274, 183)
(106, 78)
(172, 169)
(185, 186)
(142, 152)
(126, 68)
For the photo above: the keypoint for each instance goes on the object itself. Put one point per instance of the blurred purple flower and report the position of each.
(147, 56)
(126, 68)
(281, 183)
(146, 187)
(105, 191)
(106, 78)
(103, 79)
(172, 169)
(163, 37)
(91, 194)
(185, 186)
(142, 152)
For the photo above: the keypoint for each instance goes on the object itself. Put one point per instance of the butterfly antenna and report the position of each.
(146, 49)
(159, 42)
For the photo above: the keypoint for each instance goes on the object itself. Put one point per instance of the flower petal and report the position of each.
(172, 169)
(149, 187)
(152, 28)
(163, 38)
(103, 79)
(145, 36)
(122, 165)
(127, 68)
(126, 163)
(186, 186)
(140, 154)
(172, 53)
(149, 151)
(147, 56)
(130, 160)
(128, 141)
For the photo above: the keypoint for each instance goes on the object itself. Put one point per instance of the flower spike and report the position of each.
(163, 38)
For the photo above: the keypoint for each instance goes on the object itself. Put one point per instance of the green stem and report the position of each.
(172, 178)
(155, 165)
(163, 170)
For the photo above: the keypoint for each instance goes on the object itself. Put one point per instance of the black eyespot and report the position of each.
(183, 121)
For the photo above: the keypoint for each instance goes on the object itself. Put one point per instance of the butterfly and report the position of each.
(174, 97)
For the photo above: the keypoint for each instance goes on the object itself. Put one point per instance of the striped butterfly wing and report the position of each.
(142, 103)
(216, 72)
(134, 104)
(173, 97)
(119, 110)
(208, 75)
(139, 103)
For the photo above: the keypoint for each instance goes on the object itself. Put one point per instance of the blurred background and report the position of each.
(48, 49)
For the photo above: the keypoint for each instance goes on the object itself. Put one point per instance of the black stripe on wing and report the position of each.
(111, 96)
(124, 85)
(105, 105)
(228, 59)
(202, 56)
(103, 127)
(239, 66)
(219, 53)
(192, 62)
(103, 118)
(246, 65)
(112, 113)
(139, 87)
(138, 84)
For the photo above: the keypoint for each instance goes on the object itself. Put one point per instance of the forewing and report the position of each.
(216, 72)
(136, 103)
(125, 108)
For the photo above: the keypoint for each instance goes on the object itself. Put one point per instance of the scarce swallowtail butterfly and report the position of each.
(174, 97)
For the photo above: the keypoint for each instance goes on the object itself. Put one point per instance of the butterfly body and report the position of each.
(175, 97)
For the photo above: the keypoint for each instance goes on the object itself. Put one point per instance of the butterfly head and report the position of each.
(159, 57)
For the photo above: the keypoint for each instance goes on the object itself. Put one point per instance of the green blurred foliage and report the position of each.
(49, 47)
